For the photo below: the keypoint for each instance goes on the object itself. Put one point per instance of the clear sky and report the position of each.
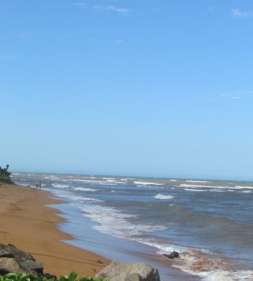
(131, 87)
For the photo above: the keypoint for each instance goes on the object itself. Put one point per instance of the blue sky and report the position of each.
(153, 88)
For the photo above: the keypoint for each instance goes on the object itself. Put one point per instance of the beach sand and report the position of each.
(30, 225)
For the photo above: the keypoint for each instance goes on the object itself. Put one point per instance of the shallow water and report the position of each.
(135, 219)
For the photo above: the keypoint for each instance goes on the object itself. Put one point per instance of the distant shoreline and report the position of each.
(29, 224)
(159, 178)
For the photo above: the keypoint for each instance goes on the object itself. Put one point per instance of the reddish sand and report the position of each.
(27, 223)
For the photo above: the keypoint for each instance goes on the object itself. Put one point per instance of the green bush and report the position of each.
(26, 277)
(5, 175)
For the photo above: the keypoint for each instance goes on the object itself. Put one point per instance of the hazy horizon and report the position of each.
(76, 173)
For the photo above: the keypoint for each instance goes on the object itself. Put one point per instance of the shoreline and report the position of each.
(92, 217)
(28, 222)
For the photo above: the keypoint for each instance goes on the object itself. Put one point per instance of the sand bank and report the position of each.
(27, 223)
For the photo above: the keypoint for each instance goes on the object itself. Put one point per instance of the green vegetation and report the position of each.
(26, 277)
(5, 175)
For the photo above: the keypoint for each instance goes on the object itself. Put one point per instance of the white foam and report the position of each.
(190, 256)
(146, 183)
(163, 196)
(195, 181)
(26, 185)
(58, 185)
(246, 191)
(212, 187)
(95, 181)
(113, 222)
(85, 189)
(216, 188)
(125, 179)
(65, 195)
(51, 177)
(114, 181)
(196, 185)
(243, 187)
(163, 248)
(85, 180)
(73, 197)
(194, 190)
(90, 199)
(227, 275)
(209, 267)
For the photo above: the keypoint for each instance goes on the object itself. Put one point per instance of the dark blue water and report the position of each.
(132, 219)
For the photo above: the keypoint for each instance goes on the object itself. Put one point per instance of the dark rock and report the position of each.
(129, 272)
(172, 255)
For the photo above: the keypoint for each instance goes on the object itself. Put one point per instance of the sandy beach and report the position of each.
(29, 224)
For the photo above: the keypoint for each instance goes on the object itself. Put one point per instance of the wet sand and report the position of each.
(29, 224)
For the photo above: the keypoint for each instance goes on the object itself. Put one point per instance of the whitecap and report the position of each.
(163, 196)
(196, 185)
(213, 187)
(147, 183)
(58, 185)
(85, 189)
(194, 190)
(243, 187)
(195, 181)
(246, 191)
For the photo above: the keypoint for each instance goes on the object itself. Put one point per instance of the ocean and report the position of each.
(209, 223)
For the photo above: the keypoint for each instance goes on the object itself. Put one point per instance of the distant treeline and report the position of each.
(5, 175)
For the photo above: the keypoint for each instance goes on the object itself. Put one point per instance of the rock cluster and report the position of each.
(15, 260)
(129, 272)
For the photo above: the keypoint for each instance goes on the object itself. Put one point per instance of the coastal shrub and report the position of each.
(26, 277)
(5, 175)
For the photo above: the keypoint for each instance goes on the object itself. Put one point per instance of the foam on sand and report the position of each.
(209, 267)
(241, 275)
(163, 248)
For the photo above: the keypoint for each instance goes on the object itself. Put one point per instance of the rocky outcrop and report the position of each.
(129, 272)
(17, 261)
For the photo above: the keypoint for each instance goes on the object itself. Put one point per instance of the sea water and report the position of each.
(137, 219)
